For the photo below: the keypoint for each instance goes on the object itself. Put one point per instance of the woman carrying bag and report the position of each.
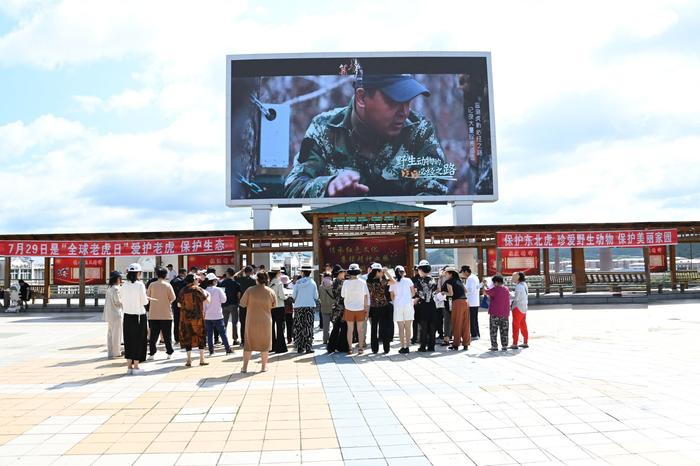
(457, 293)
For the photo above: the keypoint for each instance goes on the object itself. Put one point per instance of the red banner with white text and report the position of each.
(142, 247)
(586, 239)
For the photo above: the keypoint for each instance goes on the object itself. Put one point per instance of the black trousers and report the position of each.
(158, 326)
(135, 329)
(241, 318)
(176, 322)
(428, 320)
(381, 327)
(474, 321)
(278, 324)
(289, 322)
(439, 322)
(231, 313)
(338, 340)
(414, 337)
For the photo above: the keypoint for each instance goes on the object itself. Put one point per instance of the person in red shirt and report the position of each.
(499, 311)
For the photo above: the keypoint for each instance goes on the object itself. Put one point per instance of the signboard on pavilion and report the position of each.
(117, 248)
(586, 239)
(388, 251)
(657, 259)
(514, 260)
(204, 261)
(66, 271)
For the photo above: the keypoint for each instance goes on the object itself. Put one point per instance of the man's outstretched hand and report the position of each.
(347, 184)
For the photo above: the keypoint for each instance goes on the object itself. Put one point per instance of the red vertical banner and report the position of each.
(491, 265)
(657, 259)
(67, 271)
(514, 260)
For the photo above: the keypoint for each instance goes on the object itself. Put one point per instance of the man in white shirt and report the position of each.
(473, 286)
(171, 272)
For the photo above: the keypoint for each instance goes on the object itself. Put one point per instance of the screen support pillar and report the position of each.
(261, 221)
(462, 216)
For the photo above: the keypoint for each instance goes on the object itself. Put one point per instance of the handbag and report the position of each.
(484, 302)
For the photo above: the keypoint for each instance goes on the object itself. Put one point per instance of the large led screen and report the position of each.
(318, 129)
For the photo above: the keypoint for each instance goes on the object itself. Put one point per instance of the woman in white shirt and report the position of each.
(214, 313)
(113, 315)
(519, 310)
(402, 292)
(133, 297)
(356, 297)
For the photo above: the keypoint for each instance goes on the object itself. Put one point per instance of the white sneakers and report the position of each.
(138, 371)
(170, 356)
(150, 357)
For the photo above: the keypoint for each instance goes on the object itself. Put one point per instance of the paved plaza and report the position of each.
(598, 385)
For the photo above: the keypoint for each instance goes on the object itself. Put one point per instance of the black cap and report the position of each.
(398, 87)
(115, 274)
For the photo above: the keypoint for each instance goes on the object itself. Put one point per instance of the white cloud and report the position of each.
(17, 138)
(74, 179)
(89, 103)
(130, 100)
(629, 180)
(126, 100)
(18, 9)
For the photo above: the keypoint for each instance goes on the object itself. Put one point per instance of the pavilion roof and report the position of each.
(364, 207)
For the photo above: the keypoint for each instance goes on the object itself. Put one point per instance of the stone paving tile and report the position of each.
(598, 386)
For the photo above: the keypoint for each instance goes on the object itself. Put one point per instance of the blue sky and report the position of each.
(112, 114)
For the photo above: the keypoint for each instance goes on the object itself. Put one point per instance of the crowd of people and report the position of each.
(268, 311)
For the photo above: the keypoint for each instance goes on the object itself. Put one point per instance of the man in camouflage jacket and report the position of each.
(376, 146)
